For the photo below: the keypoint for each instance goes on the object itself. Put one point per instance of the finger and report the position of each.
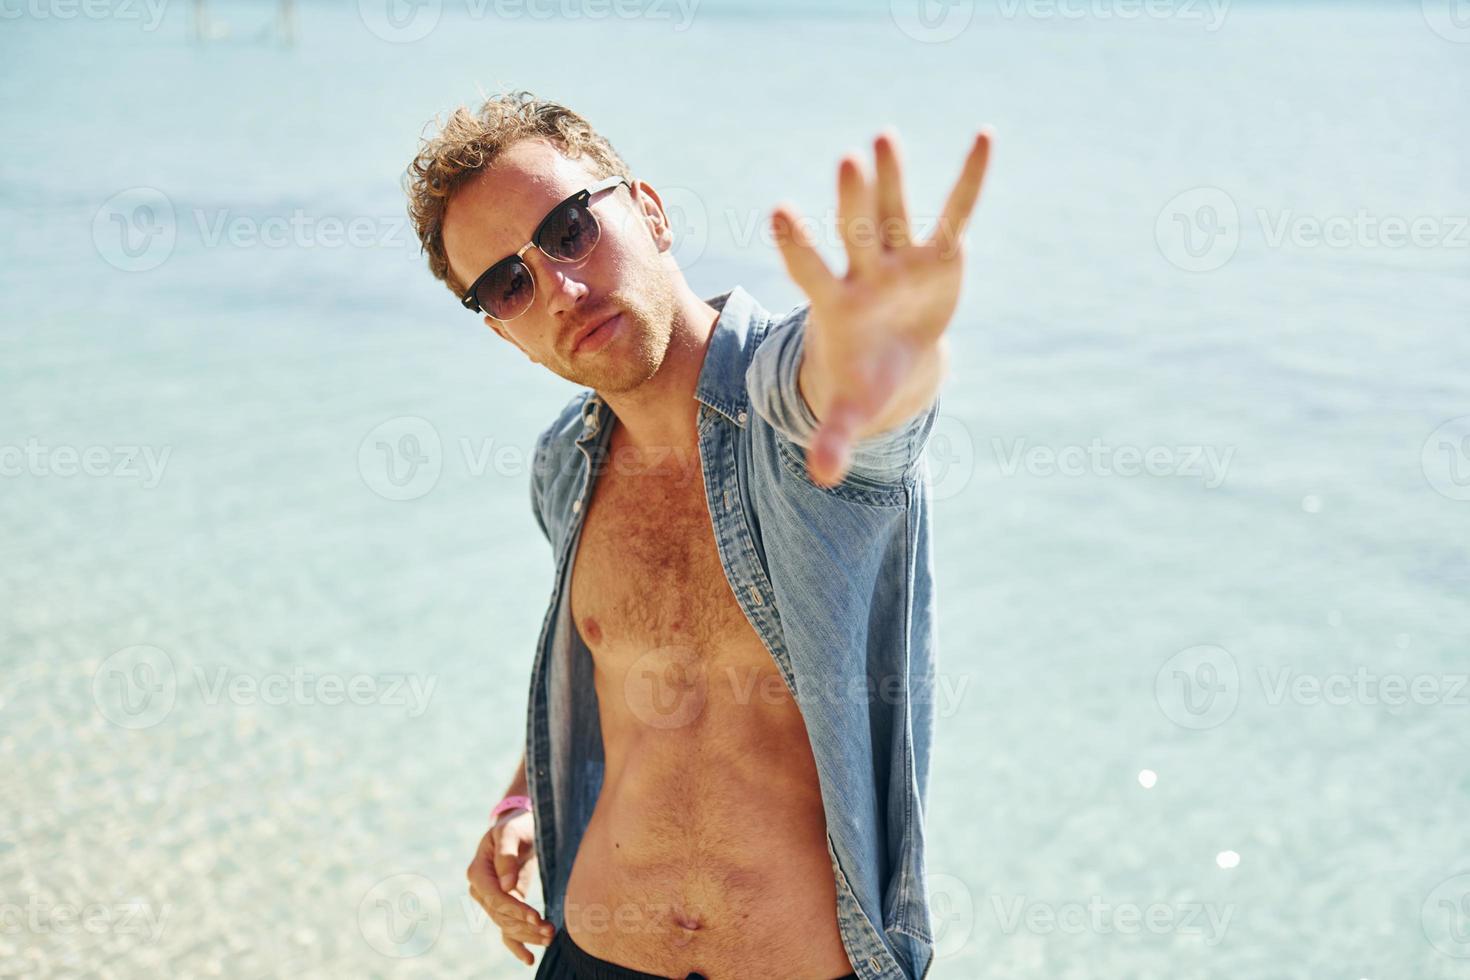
(507, 909)
(521, 952)
(804, 263)
(524, 932)
(962, 197)
(857, 219)
(845, 420)
(893, 213)
(484, 880)
(517, 926)
(830, 455)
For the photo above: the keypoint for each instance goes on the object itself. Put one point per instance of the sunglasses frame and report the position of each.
(582, 198)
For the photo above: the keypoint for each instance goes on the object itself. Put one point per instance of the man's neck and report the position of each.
(660, 413)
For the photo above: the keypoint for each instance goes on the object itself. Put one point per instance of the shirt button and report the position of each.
(742, 417)
(577, 505)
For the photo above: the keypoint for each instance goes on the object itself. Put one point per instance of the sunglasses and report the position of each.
(568, 233)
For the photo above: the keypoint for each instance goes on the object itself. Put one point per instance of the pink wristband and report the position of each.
(510, 803)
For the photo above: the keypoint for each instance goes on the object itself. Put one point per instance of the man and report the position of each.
(729, 723)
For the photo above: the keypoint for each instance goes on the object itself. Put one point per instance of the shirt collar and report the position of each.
(721, 378)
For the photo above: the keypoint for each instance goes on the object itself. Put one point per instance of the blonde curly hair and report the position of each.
(468, 142)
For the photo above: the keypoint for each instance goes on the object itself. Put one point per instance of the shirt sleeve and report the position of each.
(771, 381)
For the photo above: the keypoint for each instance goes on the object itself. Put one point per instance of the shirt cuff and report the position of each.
(771, 381)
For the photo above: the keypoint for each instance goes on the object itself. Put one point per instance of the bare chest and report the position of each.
(647, 574)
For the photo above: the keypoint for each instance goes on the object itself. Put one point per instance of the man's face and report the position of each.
(629, 273)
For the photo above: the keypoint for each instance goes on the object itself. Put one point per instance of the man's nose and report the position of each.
(563, 289)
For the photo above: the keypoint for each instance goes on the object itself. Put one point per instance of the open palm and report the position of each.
(873, 351)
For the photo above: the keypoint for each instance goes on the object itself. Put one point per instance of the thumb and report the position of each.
(509, 849)
(507, 861)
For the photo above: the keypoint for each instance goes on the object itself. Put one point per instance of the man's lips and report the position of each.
(592, 331)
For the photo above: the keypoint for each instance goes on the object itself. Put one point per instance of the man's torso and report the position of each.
(707, 848)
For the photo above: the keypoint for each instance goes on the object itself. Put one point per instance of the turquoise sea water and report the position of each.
(269, 583)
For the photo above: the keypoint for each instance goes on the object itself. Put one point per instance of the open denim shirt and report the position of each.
(837, 582)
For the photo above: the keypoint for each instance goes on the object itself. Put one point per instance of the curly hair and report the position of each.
(469, 142)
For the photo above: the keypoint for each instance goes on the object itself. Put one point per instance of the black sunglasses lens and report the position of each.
(570, 233)
(505, 293)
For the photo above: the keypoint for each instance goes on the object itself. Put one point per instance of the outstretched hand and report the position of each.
(874, 353)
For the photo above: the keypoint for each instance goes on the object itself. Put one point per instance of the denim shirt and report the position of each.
(837, 582)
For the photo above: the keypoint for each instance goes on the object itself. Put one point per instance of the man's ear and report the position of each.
(651, 209)
(504, 334)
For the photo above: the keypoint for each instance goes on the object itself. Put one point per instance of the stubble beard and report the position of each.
(636, 355)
